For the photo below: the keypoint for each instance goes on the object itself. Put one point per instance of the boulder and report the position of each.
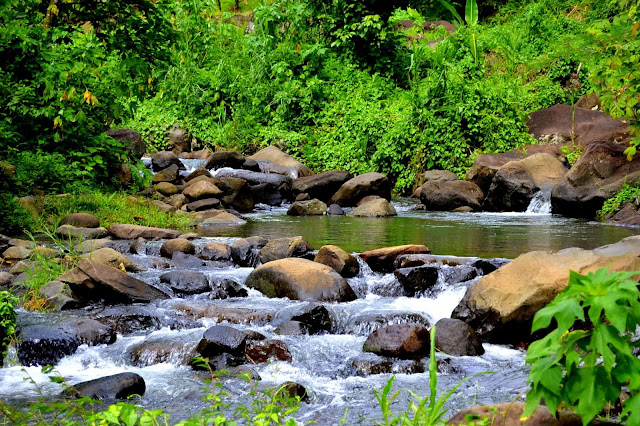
(202, 205)
(136, 145)
(200, 190)
(376, 208)
(70, 232)
(455, 337)
(510, 414)
(554, 125)
(335, 210)
(313, 207)
(316, 319)
(439, 175)
(201, 154)
(109, 388)
(267, 351)
(225, 288)
(170, 174)
(245, 252)
(291, 328)
(517, 182)
(597, 175)
(222, 218)
(220, 159)
(368, 364)
(179, 140)
(281, 248)
(321, 186)
(162, 348)
(110, 257)
(500, 306)
(186, 282)
(300, 279)
(338, 259)
(237, 193)
(177, 245)
(405, 341)
(81, 220)
(359, 187)
(486, 166)
(383, 259)
(17, 253)
(58, 296)
(165, 188)
(163, 207)
(5, 278)
(628, 215)
(267, 188)
(88, 331)
(450, 195)
(215, 251)
(417, 280)
(281, 163)
(132, 232)
(44, 345)
(221, 339)
(93, 282)
(199, 171)
(367, 199)
(164, 159)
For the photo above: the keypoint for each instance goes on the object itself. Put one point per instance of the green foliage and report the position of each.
(572, 153)
(8, 305)
(628, 193)
(587, 357)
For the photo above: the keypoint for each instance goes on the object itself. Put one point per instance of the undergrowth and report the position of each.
(628, 193)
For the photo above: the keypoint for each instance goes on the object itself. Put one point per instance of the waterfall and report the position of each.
(541, 202)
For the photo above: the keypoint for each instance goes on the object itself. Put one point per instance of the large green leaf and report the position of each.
(471, 12)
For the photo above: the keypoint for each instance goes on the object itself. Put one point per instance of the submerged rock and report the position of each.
(267, 351)
(186, 282)
(300, 279)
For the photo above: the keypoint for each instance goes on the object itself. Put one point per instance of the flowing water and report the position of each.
(324, 364)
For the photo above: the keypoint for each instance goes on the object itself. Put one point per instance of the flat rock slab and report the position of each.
(132, 232)
(383, 259)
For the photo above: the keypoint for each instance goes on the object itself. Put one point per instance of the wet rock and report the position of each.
(237, 193)
(109, 388)
(177, 245)
(455, 337)
(162, 160)
(226, 288)
(376, 208)
(517, 182)
(500, 306)
(292, 328)
(44, 345)
(321, 186)
(313, 207)
(281, 248)
(411, 260)
(267, 351)
(487, 266)
(338, 259)
(300, 279)
(201, 154)
(162, 349)
(335, 210)
(186, 282)
(222, 218)
(80, 220)
(165, 188)
(136, 145)
(383, 259)
(220, 159)
(93, 282)
(359, 187)
(368, 364)
(405, 341)
(510, 414)
(315, 320)
(268, 188)
(184, 260)
(110, 257)
(486, 166)
(284, 163)
(221, 339)
(215, 251)
(417, 280)
(131, 319)
(200, 171)
(458, 274)
(295, 390)
(170, 174)
(200, 190)
(450, 195)
(88, 331)
(245, 252)
(131, 232)
(598, 174)
(407, 366)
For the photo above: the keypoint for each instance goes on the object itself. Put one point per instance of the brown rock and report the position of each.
(378, 207)
(170, 174)
(136, 145)
(17, 253)
(163, 207)
(110, 257)
(450, 195)
(455, 337)
(359, 187)
(165, 188)
(285, 163)
(177, 245)
(440, 175)
(215, 251)
(267, 351)
(223, 218)
(132, 232)
(321, 186)
(405, 341)
(72, 233)
(179, 140)
(300, 279)
(383, 259)
(307, 208)
(202, 154)
(281, 248)
(163, 160)
(200, 190)
(221, 159)
(80, 220)
(338, 259)
(177, 200)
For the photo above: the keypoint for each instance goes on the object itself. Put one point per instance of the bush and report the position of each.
(8, 304)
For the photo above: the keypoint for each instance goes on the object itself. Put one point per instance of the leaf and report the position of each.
(453, 11)
(471, 12)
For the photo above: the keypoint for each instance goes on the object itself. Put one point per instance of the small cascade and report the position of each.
(191, 164)
(541, 202)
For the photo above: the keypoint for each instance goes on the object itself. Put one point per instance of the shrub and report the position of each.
(8, 304)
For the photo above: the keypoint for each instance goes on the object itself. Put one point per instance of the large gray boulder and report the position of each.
(361, 186)
(268, 188)
(300, 279)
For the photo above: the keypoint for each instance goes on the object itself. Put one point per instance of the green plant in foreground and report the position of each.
(8, 304)
(585, 366)
(425, 411)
